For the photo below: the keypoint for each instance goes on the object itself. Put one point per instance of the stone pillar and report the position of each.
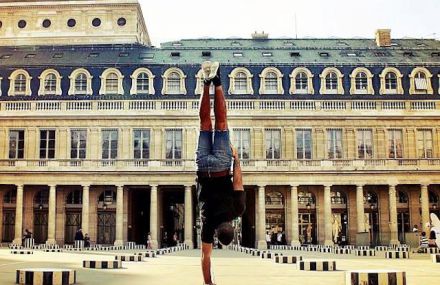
(188, 217)
(360, 209)
(327, 217)
(394, 239)
(261, 223)
(19, 216)
(52, 217)
(294, 212)
(153, 217)
(85, 209)
(424, 205)
(119, 215)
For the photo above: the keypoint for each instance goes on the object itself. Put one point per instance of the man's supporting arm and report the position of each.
(206, 262)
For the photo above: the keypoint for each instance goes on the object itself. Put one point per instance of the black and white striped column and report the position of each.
(397, 254)
(342, 251)
(29, 243)
(381, 248)
(22, 251)
(375, 277)
(148, 254)
(287, 259)
(114, 264)
(45, 276)
(270, 255)
(79, 244)
(431, 250)
(132, 258)
(368, 252)
(317, 265)
(436, 258)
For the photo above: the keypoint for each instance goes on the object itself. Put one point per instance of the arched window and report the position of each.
(81, 83)
(173, 83)
(271, 82)
(107, 198)
(111, 83)
(433, 198)
(41, 198)
(306, 199)
(240, 84)
(274, 199)
(143, 83)
(338, 197)
(10, 197)
(402, 197)
(20, 83)
(331, 81)
(74, 198)
(391, 82)
(241, 81)
(301, 82)
(361, 82)
(50, 83)
(370, 200)
(420, 81)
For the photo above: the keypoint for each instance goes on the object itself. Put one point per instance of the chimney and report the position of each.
(383, 37)
(260, 36)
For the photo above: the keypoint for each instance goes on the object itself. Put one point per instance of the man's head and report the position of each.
(225, 233)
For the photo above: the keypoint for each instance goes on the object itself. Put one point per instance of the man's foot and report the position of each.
(215, 76)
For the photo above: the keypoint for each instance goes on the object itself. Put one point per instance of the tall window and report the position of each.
(331, 81)
(361, 82)
(143, 83)
(273, 144)
(395, 144)
(303, 144)
(365, 144)
(50, 83)
(78, 144)
(16, 144)
(111, 83)
(301, 82)
(391, 81)
(424, 143)
(173, 145)
(173, 82)
(420, 81)
(109, 144)
(271, 82)
(20, 83)
(141, 144)
(242, 141)
(334, 143)
(81, 83)
(240, 82)
(47, 144)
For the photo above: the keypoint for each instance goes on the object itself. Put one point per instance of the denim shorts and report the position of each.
(214, 152)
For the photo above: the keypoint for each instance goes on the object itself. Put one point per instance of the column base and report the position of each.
(51, 242)
(295, 243)
(17, 241)
(119, 243)
(329, 243)
(189, 243)
(261, 244)
(394, 242)
(154, 244)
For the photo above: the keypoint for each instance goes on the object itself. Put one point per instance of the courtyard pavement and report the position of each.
(229, 268)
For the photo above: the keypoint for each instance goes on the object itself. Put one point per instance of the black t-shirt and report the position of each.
(218, 203)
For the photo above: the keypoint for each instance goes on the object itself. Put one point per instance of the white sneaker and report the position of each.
(214, 67)
(206, 70)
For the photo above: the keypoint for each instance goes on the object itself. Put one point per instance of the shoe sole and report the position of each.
(214, 67)
(206, 70)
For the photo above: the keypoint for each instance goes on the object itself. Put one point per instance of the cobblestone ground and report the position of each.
(229, 268)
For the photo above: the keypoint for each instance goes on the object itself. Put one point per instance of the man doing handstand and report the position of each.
(221, 199)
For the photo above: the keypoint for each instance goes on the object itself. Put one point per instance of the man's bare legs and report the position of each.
(206, 262)
(220, 110)
(205, 110)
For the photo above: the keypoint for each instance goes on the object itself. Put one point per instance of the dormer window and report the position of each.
(361, 81)
(271, 81)
(50, 83)
(301, 81)
(111, 82)
(20, 83)
(174, 81)
(391, 81)
(331, 81)
(142, 82)
(240, 81)
(80, 82)
(420, 81)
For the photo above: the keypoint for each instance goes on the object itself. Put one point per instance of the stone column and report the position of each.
(261, 223)
(360, 209)
(327, 217)
(294, 212)
(119, 215)
(19, 216)
(153, 216)
(424, 205)
(394, 239)
(188, 217)
(85, 209)
(52, 217)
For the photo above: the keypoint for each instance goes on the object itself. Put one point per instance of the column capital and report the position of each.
(188, 187)
(85, 185)
(52, 185)
(294, 186)
(154, 186)
(261, 186)
(119, 185)
(19, 186)
(360, 185)
(390, 186)
(327, 185)
(424, 186)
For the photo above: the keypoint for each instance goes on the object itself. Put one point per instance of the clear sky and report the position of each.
(169, 20)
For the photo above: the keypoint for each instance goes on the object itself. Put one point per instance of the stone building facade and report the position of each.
(339, 138)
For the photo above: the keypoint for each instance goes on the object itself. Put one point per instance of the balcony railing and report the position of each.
(187, 165)
(268, 107)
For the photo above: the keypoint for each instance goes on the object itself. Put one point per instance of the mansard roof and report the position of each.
(286, 51)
